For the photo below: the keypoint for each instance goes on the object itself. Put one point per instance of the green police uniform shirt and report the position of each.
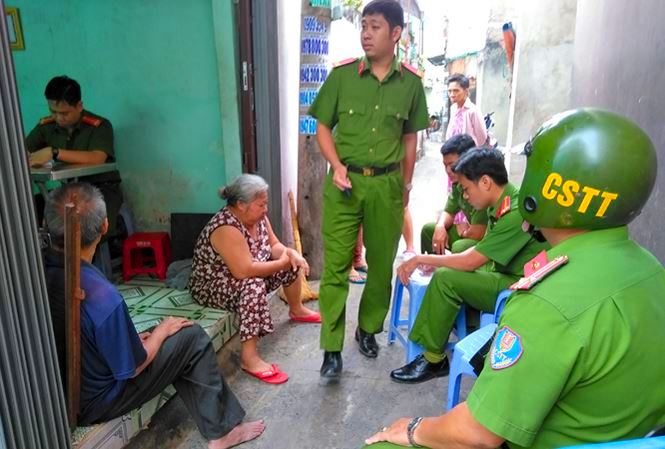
(92, 132)
(371, 116)
(456, 203)
(505, 243)
(579, 357)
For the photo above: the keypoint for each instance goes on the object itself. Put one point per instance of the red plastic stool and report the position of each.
(136, 261)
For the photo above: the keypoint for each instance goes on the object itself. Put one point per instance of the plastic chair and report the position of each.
(417, 286)
(467, 348)
(652, 440)
(489, 318)
(126, 213)
(639, 443)
(102, 259)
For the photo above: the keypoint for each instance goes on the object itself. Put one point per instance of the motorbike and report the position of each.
(489, 124)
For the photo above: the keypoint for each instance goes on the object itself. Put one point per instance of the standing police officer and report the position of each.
(376, 105)
(577, 357)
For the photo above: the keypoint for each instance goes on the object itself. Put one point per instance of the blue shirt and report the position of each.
(111, 349)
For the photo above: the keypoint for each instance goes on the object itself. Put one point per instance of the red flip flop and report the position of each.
(272, 376)
(313, 318)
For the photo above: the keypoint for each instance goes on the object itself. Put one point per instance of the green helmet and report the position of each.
(587, 169)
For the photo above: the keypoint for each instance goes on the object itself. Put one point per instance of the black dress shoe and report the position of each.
(332, 365)
(367, 344)
(420, 370)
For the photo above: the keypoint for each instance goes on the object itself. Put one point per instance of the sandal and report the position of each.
(356, 277)
(272, 376)
(311, 318)
(361, 266)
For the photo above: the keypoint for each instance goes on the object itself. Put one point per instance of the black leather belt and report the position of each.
(373, 171)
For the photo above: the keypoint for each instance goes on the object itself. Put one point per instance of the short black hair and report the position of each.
(462, 80)
(389, 9)
(458, 145)
(476, 163)
(63, 88)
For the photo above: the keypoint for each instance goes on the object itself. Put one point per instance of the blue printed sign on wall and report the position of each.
(310, 24)
(314, 46)
(313, 73)
(307, 125)
(319, 3)
(307, 96)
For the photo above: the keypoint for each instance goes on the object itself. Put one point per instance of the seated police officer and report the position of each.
(73, 135)
(478, 274)
(577, 355)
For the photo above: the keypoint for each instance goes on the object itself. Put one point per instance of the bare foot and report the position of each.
(301, 311)
(255, 365)
(357, 277)
(239, 434)
(360, 264)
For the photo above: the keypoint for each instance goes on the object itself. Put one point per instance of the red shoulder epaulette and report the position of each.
(412, 69)
(344, 62)
(541, 273)
(92, 121)
(535, 264)
(505, 207)
(47, 120)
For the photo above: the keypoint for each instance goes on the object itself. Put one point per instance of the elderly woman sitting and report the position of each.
(238, 261)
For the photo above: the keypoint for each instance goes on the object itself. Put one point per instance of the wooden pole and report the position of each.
(73, 297)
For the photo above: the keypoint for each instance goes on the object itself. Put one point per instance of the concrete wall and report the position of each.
(152, 69)
(288, 37)
(545, 37)
(619, 55)
(495, 77)
(494, 89)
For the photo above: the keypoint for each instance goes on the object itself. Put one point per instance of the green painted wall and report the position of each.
(151, 67)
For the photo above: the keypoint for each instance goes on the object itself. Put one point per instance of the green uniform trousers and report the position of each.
(455, 242)
(446, 293)
(376, 203)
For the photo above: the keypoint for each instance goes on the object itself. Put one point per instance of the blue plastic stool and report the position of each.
(461, 363)
(417, 286)
(489, 318)
(640, 443)
(102, 259)
(468, 347)
(126, 213)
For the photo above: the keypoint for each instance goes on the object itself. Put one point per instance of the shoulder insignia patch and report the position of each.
(506, 349)
(412, 69)
(528, 281)
(92, 121)
(505, 207)
(344, 62)
(361, 67)
(47, 120)
(534, 264)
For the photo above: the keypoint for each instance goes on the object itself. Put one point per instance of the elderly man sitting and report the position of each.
(120, 369)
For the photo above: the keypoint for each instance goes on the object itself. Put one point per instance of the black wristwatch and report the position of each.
(411, 428)
(55, 152)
